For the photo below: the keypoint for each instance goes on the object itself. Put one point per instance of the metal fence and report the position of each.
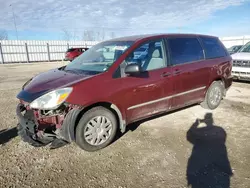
(19, 51)
(231, 41)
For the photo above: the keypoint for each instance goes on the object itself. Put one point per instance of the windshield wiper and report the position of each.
(75, 71)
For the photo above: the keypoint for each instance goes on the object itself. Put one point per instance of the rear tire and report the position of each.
(213, 96)
(96, 129)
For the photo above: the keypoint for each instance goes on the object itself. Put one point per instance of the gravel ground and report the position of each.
(155, 153)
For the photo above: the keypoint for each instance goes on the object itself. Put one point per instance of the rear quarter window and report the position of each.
(184, 50)
(213, 47)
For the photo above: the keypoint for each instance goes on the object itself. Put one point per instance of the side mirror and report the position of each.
(133, 68)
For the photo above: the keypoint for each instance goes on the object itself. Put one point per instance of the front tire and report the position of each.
(213, 96)
(96, 129)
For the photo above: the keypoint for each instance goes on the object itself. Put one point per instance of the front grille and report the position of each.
(241, 63)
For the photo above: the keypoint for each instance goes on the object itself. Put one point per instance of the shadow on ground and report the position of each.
(242, 81)
(7, 134)
(208, 165)
(133, 126)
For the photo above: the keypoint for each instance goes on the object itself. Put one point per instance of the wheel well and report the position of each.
(103, 104)
(223, 84)
(222, 81)
(214, 80)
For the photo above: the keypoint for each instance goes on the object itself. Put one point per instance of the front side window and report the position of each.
(149, 55)
(184, 50)
(98, 58)
(245, 48)
(213, 48)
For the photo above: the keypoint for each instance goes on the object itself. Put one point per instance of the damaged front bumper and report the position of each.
(26, 120)
(46, 129)
(28, 129)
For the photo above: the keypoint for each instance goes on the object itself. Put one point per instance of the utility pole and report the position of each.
(14, 19)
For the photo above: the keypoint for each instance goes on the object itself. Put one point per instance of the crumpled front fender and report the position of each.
(67, 131)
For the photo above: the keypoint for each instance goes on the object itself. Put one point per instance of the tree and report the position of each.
(112, 34)
(98, 35)
(91, 35)
(103, 34)
(3, 35)
(66, 35)
(88, 35)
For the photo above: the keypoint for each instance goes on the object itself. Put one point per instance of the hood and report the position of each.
(50, 80)
(241, 56)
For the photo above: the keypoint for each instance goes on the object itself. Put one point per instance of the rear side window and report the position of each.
(213, 48)
(184, 50)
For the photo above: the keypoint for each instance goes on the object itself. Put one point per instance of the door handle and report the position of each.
(165, 74)
(177, 72)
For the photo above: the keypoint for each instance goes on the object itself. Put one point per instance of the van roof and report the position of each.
(148, 36)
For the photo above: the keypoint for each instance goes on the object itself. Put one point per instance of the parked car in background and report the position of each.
(141, 52)
(234, 49)
(72, 53)
(241, 63)
(90, 99)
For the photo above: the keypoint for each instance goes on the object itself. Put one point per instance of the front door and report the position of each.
(144, 94)
(190, 73)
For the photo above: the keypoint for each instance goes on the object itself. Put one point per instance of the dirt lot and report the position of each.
(154, 154)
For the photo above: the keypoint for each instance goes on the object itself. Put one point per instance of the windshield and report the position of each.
(141, 50)
(234, 48)
(245, 48)
(99, 58)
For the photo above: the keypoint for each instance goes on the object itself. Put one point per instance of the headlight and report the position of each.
(51, 100)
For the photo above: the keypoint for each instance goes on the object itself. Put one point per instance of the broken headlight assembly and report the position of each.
(51, 100)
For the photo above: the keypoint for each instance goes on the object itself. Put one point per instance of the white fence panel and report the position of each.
(231, 41)
(35, 50)
(18, 51)
(14, 51)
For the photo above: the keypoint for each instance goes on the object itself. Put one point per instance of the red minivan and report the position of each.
(72, 53)
(89, 100)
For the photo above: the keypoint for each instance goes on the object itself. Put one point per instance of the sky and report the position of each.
(68, 19)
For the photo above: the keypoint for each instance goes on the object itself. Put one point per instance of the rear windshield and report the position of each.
(71, 50)
(213, 47)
